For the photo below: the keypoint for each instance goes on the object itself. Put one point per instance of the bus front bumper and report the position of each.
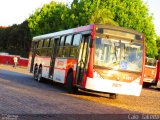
(110, 86)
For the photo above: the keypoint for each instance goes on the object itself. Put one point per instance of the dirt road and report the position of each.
(20, 94)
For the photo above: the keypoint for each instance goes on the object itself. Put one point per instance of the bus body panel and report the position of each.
(61, 69)
(45, 71)
(115, 82)
(44, 61)
(72, 65)
(110, 86)
(116, 75)
(150, 74)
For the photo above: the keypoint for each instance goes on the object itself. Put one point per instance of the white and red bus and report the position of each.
(100, 58)
(151, 73)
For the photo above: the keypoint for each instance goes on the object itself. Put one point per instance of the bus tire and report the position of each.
(112, 96)
(146, 85)
(35, 73)
(39, 79)
(70, 89)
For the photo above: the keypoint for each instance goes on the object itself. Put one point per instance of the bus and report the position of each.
(95, 57)
(151, 74)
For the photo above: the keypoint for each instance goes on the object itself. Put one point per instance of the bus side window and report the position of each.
(60, 47)
(62, 41)
(40, 44)
(46, 42)
(67, 45)
(50, 47)
(43, 43)
(45, 47)
(39, 48)
(51, 43)
(75, 46)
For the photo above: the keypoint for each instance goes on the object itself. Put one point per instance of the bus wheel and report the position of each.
(112, 96)
(146, 85)
(39, 79)
(35, 74)
(70, 89)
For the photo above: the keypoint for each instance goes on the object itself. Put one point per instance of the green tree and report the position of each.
(126, 13)
(50, 18)
(134, 14)
(85, 12)
(16, 39)
(158, 46)
(97, 17)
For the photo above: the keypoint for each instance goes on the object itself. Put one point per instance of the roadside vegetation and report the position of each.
(53, 17)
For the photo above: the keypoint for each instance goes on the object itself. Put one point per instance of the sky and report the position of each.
(16, 11)
(154, 9)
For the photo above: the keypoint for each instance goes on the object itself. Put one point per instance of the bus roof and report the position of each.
(63, 32)
(85, 28)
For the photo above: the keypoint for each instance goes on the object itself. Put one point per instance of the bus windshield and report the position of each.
(118, 54)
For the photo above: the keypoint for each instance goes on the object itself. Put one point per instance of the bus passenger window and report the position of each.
(43, 43)
(60, 52)
(67, 45)
(62, 41)
(46, 42)
(68, 40)
(45, 47)
(51, 43)
(75, 46)
(40, 43)
(76, 40)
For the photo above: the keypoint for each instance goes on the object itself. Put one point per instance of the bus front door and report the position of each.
(82, 60)
(53, 57)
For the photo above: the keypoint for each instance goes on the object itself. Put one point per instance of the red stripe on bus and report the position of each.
(60, 68)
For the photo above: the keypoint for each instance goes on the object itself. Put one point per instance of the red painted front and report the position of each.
(158, 71)
(150, 73)
(118, 75)
(71, 64)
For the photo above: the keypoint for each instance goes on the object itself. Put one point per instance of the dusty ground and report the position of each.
(147, 103)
